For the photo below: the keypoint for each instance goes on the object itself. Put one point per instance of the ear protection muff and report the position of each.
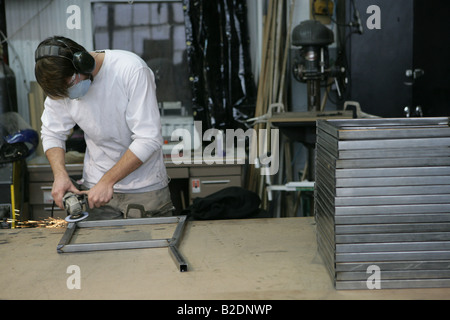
(82, 61)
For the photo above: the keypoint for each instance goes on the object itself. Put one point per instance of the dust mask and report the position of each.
(80, 89)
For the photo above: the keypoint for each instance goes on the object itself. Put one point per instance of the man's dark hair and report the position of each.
(52, 72)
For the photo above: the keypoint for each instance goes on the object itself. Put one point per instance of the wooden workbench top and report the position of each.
(228, 259)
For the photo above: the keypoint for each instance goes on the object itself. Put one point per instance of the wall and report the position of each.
(255, 12)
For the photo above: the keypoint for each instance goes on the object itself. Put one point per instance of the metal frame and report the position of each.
(172, 243)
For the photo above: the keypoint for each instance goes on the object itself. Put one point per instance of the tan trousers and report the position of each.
(144, 205)
(135, 205)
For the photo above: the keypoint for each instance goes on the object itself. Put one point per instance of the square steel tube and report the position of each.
(65, 246)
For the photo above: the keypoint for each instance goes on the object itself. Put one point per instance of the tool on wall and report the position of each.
(312, 63)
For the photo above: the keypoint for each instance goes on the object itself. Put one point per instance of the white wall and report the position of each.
(255, 16)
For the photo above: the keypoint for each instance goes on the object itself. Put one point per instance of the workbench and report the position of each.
(228, 259)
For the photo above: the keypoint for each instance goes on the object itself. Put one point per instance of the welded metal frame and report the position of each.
(65, 245)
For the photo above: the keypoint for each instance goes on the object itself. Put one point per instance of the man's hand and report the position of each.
(99, 195)
(62, 182)
(61, 185)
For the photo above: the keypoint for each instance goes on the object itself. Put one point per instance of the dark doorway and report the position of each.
(405, 63)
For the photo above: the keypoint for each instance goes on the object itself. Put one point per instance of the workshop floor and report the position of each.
(229, 259)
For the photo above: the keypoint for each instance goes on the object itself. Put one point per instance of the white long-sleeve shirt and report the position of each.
(119, 112)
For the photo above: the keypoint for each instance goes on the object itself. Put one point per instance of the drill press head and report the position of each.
(313, 39)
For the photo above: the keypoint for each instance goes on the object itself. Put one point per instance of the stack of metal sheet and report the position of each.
(382, 202)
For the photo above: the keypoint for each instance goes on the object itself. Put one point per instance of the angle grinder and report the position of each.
(75, 206)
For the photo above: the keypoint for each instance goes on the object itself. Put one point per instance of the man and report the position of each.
(111, 96)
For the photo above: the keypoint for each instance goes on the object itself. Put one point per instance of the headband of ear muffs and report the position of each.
(82, 61)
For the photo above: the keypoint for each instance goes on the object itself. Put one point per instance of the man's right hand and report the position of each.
(62, 182)
(61, 185)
